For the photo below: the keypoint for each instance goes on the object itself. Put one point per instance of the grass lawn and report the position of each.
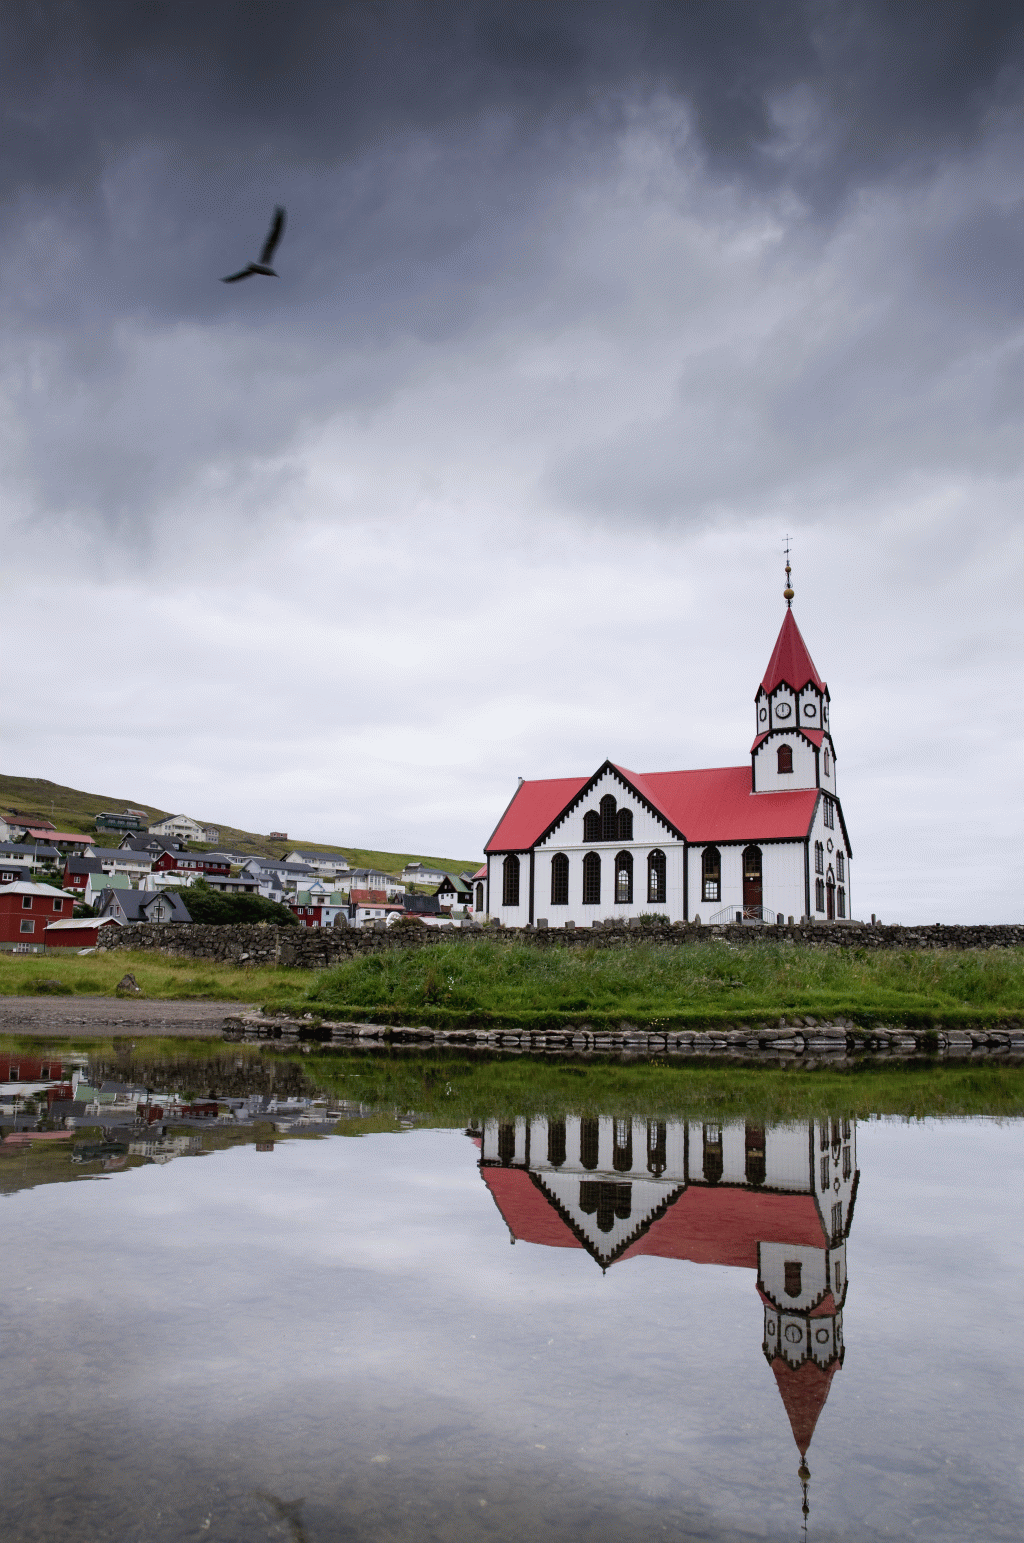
(487, 982)
(653, 985)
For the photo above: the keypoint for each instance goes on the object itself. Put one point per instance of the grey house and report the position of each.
(143, 905)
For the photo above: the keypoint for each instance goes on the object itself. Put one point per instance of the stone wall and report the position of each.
(318, 948)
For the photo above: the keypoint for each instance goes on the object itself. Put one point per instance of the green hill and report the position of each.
(25, 798)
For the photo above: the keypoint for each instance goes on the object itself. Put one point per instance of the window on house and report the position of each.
(26, 902)
(591, 825)
(624, 879)
(58, 905)
(785, 758)
(510, 880)
(841, 901)
(819, 894)
(656, 878)
(824, 1172)
(713, 1161)
(28, 926)
(559, 879)
(829, 816)
(819, 857)
(711, 867)
(479, 897)
(625, 825)
(592, 879)
(609, 819)
(754, 1154)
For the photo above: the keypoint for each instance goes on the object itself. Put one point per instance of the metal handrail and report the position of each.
(731, 914)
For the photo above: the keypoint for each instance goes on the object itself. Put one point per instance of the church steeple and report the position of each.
(793, 744)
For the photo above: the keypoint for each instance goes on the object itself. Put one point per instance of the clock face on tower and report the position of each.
(782, 710)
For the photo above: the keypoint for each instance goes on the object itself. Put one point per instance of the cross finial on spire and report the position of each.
(788, 592)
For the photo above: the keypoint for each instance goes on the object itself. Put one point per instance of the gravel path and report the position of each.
(79, 1017)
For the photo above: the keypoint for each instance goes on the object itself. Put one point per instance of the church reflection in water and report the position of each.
(777, 1200)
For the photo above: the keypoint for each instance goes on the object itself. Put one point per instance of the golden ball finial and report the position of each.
(788, 592)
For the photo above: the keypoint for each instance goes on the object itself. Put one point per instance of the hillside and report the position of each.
(72, 810)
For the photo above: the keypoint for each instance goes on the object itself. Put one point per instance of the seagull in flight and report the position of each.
(263, 266)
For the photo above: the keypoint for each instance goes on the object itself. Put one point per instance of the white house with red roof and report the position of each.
(776, 1200)
(754, 843)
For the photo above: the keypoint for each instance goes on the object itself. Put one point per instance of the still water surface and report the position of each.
(600, 1330)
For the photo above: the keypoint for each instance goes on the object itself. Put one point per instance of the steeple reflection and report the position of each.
(777, 1200)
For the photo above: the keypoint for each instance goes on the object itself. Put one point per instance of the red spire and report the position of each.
(790, 661)
(804, 1391)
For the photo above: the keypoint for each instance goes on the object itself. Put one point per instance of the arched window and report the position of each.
(827, 761)
(713, 1162)
(506, 1144)
(656, 1158)
(623, 878)
(608, 1201)
(752, 889)
(609, 819)
(625, 825)
(819, 894)
(510, 880)
(591, 825)
(590, 1135)
(841, 866)
(786, 758)
(794, 1271)
(592, 879)
(479, 897)
(711, 867)
(622, 1151)
(830, 895)
(819, 857)
(559, 879)
(753, 1141)
(841, 901)
(556, 1143)
(656, 878)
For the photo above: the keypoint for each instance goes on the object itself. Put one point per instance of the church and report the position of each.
(763, 842)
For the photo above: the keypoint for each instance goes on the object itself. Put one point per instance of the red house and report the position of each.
(199, 863)
(26, 910)
(77, 931)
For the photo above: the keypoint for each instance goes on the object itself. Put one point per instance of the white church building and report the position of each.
(753, 843)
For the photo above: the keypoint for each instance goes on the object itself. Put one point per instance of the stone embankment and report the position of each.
(803, 1039)
(319, 948)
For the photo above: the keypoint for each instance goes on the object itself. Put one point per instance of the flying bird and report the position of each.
(263, 266)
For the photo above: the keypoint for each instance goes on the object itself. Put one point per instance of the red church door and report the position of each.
(752, 892)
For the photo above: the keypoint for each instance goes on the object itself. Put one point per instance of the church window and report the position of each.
(824, 1172)
(753, 1143)
(590, 1134)
(625, 825)
(609, 819)
(819, 894)
(794, 1272)
(841, 865)
(591, 825)
(837, 1222)
(556, 1143)
(819, 857)
(479, 897)
(559, 879)
(592, 879)
(713, 1162)
(830, 895)
(828, 816)
(841, 901)
(827, 761)
(656, 1158)
(711, 867)
(785, 758)
(656, 878)
(622, 1151)
(623, 878)
(510, 880)
(506, 1144)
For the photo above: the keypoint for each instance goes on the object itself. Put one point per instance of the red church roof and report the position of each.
(804, 1390)
(790, 661)
(528, 1213)
(713, 804)
(724, 1226)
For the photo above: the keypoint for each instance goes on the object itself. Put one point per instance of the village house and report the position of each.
(276, 880)
(318, 906)
(195, 864)
(13, 869)
(328, 865)
(137, 905)
(12, 852)
(78, 931)
(26, 910)
(154, 845)
(374, 878)
(423, 873)
(63, 840)
(78, 869)
(185, 828)
(128, 819)
(753, 843)
(96, 883)
(233, 884)
(454, 893)
(133, 865)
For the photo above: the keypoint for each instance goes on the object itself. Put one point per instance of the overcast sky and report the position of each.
(582, 308)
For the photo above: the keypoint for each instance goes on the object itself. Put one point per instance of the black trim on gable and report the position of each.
(588, 788)
(505, 811)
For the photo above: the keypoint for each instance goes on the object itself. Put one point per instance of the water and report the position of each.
(609, 1330)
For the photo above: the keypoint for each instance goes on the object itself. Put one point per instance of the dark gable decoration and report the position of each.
(585, 792)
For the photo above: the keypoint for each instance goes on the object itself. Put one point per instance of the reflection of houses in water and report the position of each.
(775, 1199)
